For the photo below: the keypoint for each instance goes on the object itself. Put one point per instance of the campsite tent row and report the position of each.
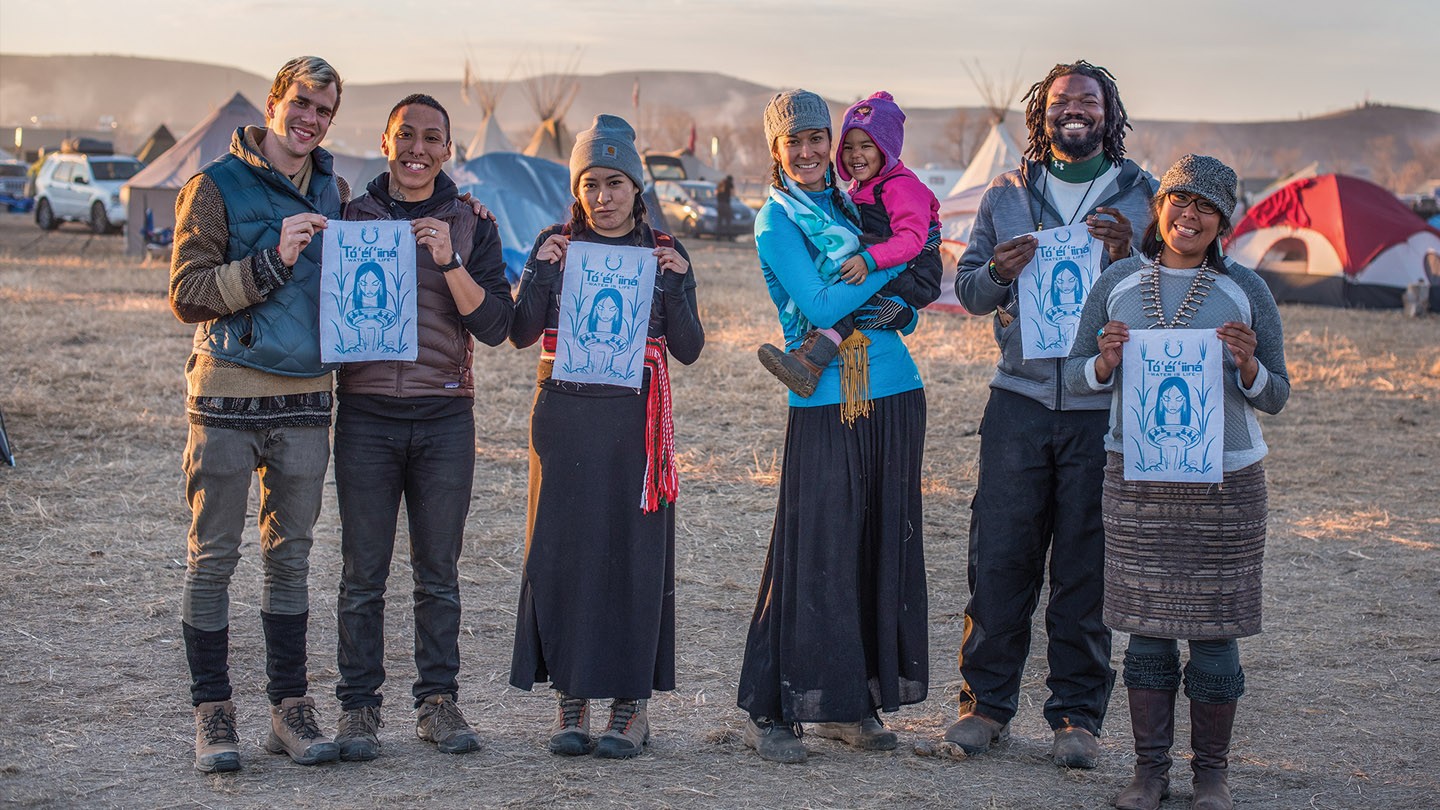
(525, 193)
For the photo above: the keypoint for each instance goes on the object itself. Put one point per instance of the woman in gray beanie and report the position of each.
(1183, 560)
(597, 594)
(839, 629)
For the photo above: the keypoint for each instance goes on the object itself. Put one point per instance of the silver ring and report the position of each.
(432, 231)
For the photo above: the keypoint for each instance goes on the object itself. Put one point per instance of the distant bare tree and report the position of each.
(962, 135)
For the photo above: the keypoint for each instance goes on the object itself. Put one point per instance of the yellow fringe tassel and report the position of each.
(855, 377)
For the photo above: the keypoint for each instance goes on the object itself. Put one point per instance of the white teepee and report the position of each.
(551, 95)
(490, 137)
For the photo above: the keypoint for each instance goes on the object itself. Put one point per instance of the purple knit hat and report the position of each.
(882, 119)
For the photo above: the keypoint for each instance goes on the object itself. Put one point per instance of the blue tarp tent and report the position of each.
(527, 195)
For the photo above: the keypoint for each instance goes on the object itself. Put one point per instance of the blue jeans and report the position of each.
(431, 463)
(1037, 498)
(219, 464)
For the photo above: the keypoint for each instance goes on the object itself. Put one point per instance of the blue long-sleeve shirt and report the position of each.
(788, 262)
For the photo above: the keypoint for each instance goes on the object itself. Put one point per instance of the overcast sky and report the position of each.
(1218, 60)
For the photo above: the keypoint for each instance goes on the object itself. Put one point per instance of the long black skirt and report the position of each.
(840, 628)
(597, 596)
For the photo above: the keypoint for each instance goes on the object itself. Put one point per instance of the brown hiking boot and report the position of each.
(294, 730)
(570, 733)
(439, 721)
(1074, 747)
(776, 742)
(217, 743)
(358, 734)
(975, 733)
(627, 732)
(800, 368)
(868, 734)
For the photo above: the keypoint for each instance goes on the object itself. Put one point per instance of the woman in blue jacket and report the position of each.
(839, 630)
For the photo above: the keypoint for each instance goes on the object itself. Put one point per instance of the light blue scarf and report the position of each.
(833, 242)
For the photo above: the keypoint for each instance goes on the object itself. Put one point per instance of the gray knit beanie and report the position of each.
(1205, 177)
(610, 143)
(794, 111)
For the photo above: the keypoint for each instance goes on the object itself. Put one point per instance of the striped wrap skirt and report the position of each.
(1184, 560)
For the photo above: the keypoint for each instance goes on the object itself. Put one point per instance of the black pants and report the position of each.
(430, 462)
(1040, 482)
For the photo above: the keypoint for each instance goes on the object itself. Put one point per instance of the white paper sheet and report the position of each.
(1174, 406)
(367, 292)
(604, 314)
(1052, 289)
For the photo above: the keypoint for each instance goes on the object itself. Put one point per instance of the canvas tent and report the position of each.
(526, 195)
(156, 145)
(1340, 241)
(156, 186)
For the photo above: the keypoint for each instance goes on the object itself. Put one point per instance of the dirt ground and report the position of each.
(94, 706)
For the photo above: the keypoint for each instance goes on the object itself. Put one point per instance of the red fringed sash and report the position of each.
(662, 479)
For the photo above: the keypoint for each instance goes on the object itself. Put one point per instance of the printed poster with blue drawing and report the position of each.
(367, 292)
(1052, 289)
(1174, 406)
(604, 314)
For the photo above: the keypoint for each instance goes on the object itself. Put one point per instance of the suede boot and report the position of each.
(285, 655)
(1152, 717)
(1211, 725)
(800, 369)
(208, 654)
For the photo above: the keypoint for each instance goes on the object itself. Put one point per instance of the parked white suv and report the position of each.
(83, 188)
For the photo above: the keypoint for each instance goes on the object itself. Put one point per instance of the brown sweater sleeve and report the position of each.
(203, 286)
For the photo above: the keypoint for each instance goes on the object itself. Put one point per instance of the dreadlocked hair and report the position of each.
(579, 224)
(1116, 120)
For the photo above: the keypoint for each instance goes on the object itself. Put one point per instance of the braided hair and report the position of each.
(579, 223)
(777, 179)
(1116, 120)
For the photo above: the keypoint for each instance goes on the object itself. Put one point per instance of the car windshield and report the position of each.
(11, 170)
(702, 193)
(114, 169)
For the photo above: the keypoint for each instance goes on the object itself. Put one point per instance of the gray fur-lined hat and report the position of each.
(794, 111)
(609, 142)
(1205, 177)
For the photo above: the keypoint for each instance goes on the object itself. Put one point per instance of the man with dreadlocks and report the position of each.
(1042, 455)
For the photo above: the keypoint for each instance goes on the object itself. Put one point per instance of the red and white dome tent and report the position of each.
(1340, 241)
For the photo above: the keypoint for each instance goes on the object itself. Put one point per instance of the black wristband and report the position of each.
(995, 277)
(452, 264)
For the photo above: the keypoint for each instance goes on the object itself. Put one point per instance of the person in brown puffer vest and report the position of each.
(408, 429)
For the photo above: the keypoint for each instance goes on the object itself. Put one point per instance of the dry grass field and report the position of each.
(94, 712)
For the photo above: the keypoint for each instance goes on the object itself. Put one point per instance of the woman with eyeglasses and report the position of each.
(1183, 560)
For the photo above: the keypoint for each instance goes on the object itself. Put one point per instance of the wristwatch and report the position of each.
(452, 264)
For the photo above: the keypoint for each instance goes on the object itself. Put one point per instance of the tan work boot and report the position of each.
(439, 721)
(868, 734)
(975, 733)
(627, 732)
(217, 743)
(295, 730)
(358, 734)
(570, 733)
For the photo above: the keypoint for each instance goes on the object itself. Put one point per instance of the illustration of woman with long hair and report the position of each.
(1067, 298)
(603, 337)
(370, 314)
(1173, 432)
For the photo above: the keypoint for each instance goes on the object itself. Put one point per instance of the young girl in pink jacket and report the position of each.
(900, 220)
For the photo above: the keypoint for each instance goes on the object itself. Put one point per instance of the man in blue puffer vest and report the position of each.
(246, 272)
